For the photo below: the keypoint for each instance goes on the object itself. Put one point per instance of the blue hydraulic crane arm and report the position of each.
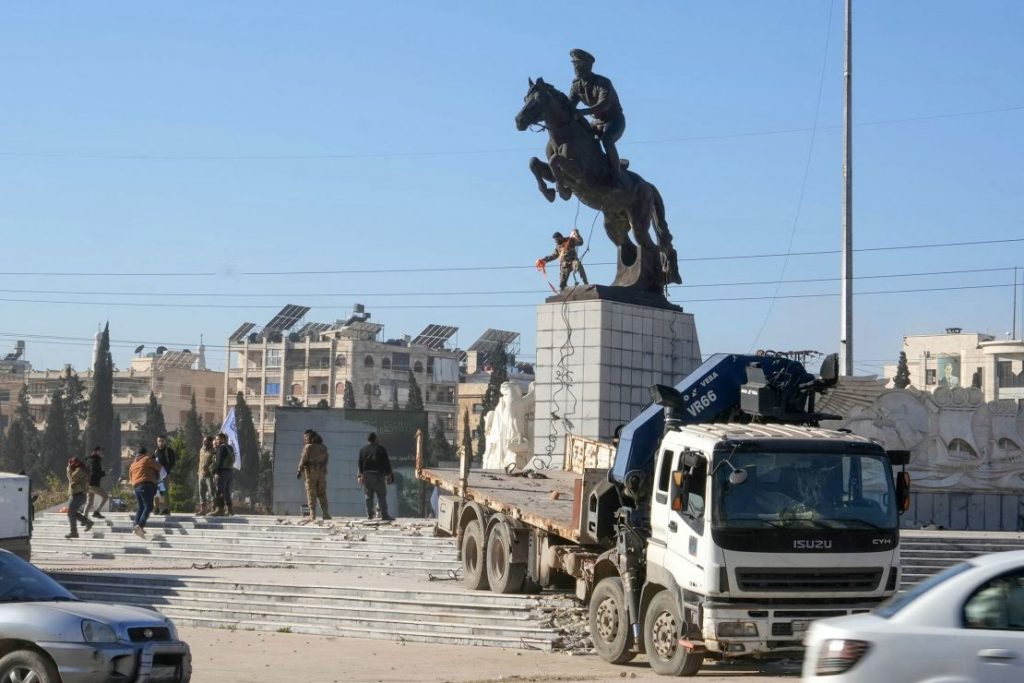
(709, 393)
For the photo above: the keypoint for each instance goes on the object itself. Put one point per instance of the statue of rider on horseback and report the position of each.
(581, 159)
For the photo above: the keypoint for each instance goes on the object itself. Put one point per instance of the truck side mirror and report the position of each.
(681, 501)
(902, 491)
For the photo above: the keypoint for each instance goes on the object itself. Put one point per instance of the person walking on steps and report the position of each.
(167, 458)
(223, 466)
(374, 476)
(143, 475)
(207, 489)
(78, 478)
(96, 474)
(313, 464)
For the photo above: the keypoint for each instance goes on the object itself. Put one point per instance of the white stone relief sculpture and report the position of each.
(509, 429)
(958, 442)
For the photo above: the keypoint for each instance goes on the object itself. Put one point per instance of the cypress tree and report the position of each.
(155, 425)
(193, 428)
(348, 396)
(112, 460)
(53, 453)
(100, 414)
(249, 447)
(265, 482)
(183, 476)
(75, 408)
(23, 438)
(438, 448)
(902, 378)
(415, 400)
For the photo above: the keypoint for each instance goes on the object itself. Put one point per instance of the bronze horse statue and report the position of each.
(576, 164)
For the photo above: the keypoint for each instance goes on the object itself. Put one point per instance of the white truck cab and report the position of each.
(15, 513)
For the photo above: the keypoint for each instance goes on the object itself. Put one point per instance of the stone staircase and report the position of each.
(352, 578)
(924, 553)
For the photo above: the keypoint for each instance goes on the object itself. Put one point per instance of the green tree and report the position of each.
(264, 497)
(438, 448)
(394, 398)
(113, 459)
(415, 400)
(902, 378)
(76, 406)
(323, 404)
(100, 413)
(155, 425)
(53, 453)
(348, 396)
(12, 458)
(500, 360)
(467, 436)
(23, 438)
(193, 430)
(249, 447)
(183, 476)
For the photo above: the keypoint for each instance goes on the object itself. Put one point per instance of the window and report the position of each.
(340, 360)
(323, 388)
(185, 391)
(210, 393)
(997, 604)
(400, 361)
(273, 358)
(235, 361)
(368, 362)
(385, 364)
(339, 388)
(478, 408)
(273, 389)
(367, 389)
(897, 602)
(297, 389)
(417, 367)
(929, 376)
(665, 474)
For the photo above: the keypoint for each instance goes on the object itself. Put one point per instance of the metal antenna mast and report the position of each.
(846, 293)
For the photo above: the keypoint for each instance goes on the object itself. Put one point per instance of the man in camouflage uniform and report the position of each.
(313, 464)
(598, 93)
(568, 260)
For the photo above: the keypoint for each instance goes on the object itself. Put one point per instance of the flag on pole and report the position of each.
(230, 427)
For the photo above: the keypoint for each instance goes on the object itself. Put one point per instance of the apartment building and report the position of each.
(288, 364)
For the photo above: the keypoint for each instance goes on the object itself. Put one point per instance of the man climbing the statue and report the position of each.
(602, 102)
(568, 260)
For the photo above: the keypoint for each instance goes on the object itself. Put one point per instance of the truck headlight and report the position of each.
(839, 655)
(736, 629)
(97, 632)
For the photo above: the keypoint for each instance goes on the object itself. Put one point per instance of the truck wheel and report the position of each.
(504, 575)
(27, 665)
(663, 625)
(609, 622)
(474, 573)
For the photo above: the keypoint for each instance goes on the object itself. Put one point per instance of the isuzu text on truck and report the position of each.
(721, 523)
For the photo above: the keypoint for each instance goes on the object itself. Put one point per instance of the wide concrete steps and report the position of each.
(415, 614)
(252, 541)
(925, 553)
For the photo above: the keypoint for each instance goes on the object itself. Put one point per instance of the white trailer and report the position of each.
(15, 513)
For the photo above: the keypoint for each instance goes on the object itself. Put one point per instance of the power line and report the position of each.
(495, 292)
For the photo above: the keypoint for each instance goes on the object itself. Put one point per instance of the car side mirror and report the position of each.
(902, 491)
(681, 501)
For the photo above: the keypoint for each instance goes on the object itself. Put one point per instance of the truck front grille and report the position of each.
(808, 580)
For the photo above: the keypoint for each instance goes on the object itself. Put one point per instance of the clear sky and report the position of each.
(158, 160)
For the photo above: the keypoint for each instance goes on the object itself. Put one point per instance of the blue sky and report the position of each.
(193, 144)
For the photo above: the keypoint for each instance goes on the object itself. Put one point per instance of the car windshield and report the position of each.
(897, 602)
(21, 582)
(805, 491)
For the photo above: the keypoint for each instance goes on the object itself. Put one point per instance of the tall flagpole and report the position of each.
(846, 286)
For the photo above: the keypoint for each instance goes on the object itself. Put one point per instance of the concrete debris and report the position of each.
(572, 621)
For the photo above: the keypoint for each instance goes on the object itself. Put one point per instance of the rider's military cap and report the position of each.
(579, 55)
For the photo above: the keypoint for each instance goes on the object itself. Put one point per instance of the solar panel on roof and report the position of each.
(243, 329)
(312, 330)
(286, 318)
(493, 338)
(360, 330)
(434, 336)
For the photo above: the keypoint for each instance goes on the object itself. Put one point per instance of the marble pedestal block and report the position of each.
(595, 362)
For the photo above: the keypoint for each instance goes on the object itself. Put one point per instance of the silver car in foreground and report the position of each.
(963, 625)
(47, 635)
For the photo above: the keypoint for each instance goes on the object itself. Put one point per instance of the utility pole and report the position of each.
(846, 286)
(1013, 329)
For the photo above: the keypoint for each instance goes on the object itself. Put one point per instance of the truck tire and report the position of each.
(503, 575)
(474, 569)
(609, 622)
(662, 628)
(28, 665)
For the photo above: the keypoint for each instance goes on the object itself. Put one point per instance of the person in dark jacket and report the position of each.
(96, 473)
(167, 458)
(224, 472)
(78, 477)
(374, 476)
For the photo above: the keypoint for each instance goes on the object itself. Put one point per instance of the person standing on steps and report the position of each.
(78, 478)
(167, 458)
(143, 475)
(223, 465)
(313, 465)
(374, 476)
(96, 474)
(207, 489)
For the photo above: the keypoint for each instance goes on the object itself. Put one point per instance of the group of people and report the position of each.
(374, 475)
(84, 488)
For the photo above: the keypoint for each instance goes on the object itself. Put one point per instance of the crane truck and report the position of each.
(718, 525)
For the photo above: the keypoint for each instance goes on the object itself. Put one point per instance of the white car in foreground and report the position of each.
(963, 625)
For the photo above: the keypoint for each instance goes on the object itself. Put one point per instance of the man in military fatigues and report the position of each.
(313, 464)
(568, 260)
(602, 102)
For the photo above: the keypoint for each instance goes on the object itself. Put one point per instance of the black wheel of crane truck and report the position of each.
(663, 625)
(474, 572)
(609, 622)
(504, 575)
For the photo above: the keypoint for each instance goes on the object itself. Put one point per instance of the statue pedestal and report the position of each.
(596, 360)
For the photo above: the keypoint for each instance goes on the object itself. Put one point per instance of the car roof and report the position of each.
(1009, 557)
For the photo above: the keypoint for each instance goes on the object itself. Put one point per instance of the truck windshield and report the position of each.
(805, 491)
